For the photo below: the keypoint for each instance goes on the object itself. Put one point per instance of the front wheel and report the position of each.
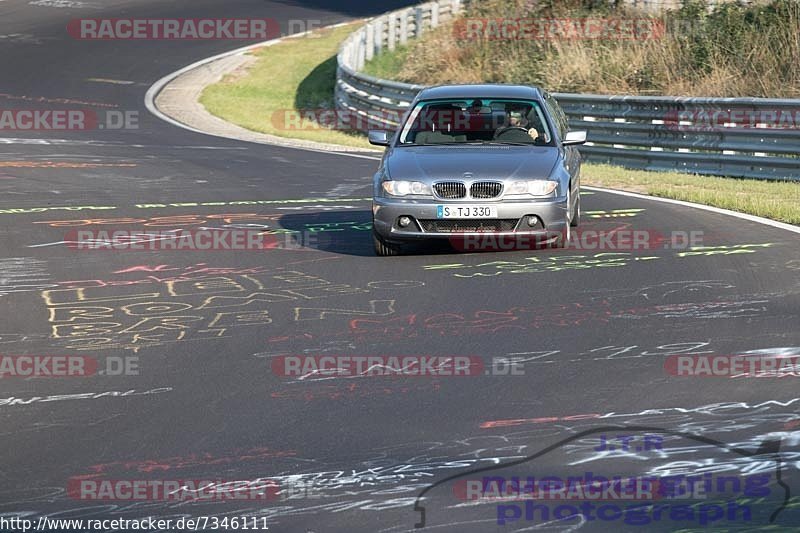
(566, 234)
(383, 248)
(571, 221)
(576, 216)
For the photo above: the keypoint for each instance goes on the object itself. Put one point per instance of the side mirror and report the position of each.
(379, 137)
(574, 137)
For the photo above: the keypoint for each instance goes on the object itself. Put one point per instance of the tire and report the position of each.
(383, 248)
(566, 234)
(576, 216)
(564, 238)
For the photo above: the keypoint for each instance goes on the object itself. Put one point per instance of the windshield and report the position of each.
(478, 121)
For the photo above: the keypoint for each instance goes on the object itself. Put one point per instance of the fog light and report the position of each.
(404, 222)
(533, 221)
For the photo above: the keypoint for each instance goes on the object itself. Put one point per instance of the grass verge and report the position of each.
(777, 200)
(294, 74)
(387, 65)
(300, 73)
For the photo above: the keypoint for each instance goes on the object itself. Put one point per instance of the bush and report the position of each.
(730, 50)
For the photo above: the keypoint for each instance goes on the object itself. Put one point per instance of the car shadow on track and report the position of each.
(344, 232)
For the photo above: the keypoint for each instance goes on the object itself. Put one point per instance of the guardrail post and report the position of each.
(378, 35)
(404, 27)
(361, 52)
(369, 43)
(434, 14)
(418, 21)
(391, 32)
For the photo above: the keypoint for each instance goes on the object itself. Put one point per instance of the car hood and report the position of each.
(430, 163)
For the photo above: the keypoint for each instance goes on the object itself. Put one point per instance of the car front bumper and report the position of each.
(511, 219)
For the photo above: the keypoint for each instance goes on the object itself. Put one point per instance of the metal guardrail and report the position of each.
(740, 137)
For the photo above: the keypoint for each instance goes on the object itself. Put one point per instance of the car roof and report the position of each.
(481, 90)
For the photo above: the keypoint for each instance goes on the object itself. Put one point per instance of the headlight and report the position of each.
(404, 188)
(533, 187)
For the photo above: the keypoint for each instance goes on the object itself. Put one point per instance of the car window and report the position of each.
(476, 120)
(558, 115)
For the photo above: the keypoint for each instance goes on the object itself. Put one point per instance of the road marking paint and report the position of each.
(61, 164)
(718, 210)
(114, 82)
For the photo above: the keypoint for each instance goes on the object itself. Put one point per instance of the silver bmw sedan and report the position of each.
(483, 166)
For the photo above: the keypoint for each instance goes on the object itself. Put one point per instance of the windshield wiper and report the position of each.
(428, 144)
(509, 143)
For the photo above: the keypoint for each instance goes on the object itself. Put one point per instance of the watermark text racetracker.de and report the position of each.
(311, 366)
(97, 29)
(778, 363)
(66, 366)
(176, 490)
(307, 119)
(559, 29)
(67, 120)
(323, 118)
(717, 118)
(576, 28)
(199, 240)
(581, 239)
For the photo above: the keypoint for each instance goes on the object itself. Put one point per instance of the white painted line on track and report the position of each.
(718, 210)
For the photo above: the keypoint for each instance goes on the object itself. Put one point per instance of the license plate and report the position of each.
(466, 211)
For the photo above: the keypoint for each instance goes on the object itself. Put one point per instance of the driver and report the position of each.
(516, 121)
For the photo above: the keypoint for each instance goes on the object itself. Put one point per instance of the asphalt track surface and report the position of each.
(594, 326)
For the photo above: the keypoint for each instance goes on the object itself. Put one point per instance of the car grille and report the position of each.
(485, 189)
(468, 225)
(450, 189)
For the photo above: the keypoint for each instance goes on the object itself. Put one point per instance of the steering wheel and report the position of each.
(514, 128)
(533, 133)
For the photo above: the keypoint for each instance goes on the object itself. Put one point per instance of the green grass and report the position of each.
(295, 74)
(777, 200)
(300, 73)
(386, 65)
